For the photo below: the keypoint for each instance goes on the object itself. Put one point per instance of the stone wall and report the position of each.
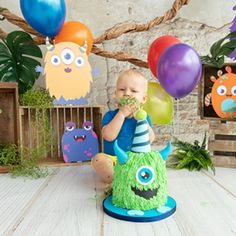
(198, 24)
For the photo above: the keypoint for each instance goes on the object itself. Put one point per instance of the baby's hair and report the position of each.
(132, 72)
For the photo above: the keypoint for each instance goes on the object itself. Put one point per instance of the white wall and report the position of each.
(199, 24)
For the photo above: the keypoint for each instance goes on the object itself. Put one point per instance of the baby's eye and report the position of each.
(122, 89)
(134, 91)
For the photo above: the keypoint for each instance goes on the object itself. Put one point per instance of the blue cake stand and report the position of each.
(139, 216)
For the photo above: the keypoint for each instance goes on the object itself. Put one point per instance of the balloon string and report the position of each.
(178, 131)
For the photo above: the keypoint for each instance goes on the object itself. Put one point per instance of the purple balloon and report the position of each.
(179, 70)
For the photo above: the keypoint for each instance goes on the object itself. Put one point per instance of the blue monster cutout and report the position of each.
(79, 144)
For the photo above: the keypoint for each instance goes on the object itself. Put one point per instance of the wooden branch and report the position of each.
(16, 20)
(125, 28)
(3, 34)
(112, 33)
(119, 56)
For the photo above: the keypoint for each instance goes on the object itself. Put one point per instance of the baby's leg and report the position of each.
(104, 166)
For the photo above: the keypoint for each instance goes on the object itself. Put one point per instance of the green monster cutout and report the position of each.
(140, 180)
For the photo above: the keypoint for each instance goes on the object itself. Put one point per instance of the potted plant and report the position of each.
(191, 156)
(18, 60)
(220, 50)
(19, 160)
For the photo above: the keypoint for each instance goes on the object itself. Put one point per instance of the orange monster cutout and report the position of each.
(68, 73)
(223, 94)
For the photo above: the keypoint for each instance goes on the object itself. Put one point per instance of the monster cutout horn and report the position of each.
(49, 46)
(83, 49)
(166, 151)
(121, 154)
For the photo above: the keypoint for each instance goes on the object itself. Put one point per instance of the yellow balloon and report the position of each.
(159, 104)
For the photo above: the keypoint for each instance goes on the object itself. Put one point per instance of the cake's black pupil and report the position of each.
(145, 175)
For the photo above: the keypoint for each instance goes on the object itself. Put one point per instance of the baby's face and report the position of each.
(132, 86)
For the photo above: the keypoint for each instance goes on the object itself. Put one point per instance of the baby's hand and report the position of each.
(128, 110)
(128, 105)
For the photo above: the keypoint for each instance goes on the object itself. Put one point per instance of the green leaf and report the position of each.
(4, 50)
(203, 146)
(30, 50)
(31, 64)
(224, 51)
(9, 77)
(219, 50)
(22, 87)
(26, 76)
(183, 163)
(4, 69)
(17, 37)
(214, 50)
(220, 62)
(16, 60)
(231, 44)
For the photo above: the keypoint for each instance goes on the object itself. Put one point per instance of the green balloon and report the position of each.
(159, 105)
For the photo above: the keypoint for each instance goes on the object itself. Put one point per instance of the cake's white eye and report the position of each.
(67, 56)
(55, 60)
(221, 90)
(145, 175)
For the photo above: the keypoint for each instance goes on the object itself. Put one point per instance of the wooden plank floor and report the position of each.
(64, 203)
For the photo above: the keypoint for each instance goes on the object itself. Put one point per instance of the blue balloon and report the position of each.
(45, 16)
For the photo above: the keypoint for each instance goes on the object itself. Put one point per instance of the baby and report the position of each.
(120, 124)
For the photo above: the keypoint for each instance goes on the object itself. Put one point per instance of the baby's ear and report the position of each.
(144, 98)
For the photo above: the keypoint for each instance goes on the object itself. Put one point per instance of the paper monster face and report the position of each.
(141, 182)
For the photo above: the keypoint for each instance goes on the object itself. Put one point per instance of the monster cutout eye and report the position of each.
(55, 60)
(221, 90)
(67, 56)
(233, 90)
(79, 61)
(87, 127)
(70, 128)
(145, 175)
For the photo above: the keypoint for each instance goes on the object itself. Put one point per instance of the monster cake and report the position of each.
(140, 181)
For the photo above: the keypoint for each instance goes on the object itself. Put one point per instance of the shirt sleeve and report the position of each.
(149, 120)
(106, 118)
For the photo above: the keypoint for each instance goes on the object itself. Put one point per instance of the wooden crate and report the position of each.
(222, 143)
(222, 139)
(9, 113)
(57, 117)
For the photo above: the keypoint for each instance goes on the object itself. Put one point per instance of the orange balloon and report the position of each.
(76, 32)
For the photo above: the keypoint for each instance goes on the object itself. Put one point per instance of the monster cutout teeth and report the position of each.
(147, 194)
(79, 138)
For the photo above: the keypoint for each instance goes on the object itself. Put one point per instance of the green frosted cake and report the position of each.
(140, 180)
